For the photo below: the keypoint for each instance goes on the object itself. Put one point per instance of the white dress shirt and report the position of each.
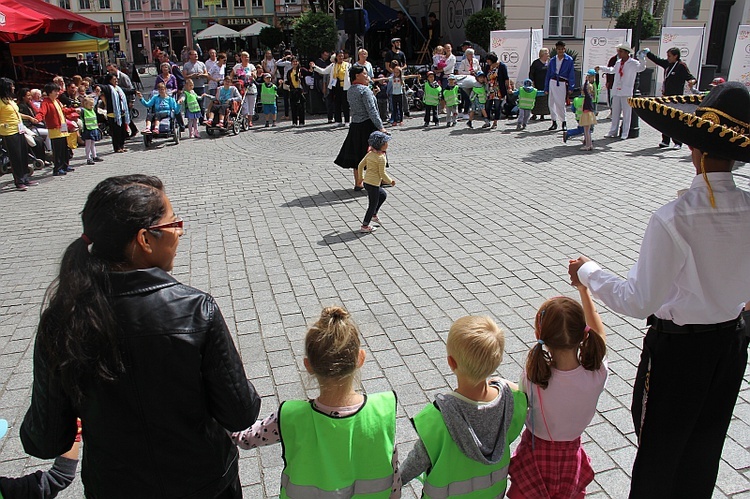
(450, 65)
(694, 264)
(623, 85)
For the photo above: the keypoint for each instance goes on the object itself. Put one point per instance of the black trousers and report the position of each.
(18, 155)
(234, 491)
(297, 102)
(666, 138)
(60, 157)
(118, 133)
(376, 197)
(430, 112)
(683, 397)
(340, 103)
(287, 99)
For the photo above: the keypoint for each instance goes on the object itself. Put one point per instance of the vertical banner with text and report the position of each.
(453, 16)
(690, 42)
(739, 70)
(598, 48)
(517, 48)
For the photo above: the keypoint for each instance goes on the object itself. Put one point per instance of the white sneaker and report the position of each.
(610, 136)
(663, 144)
(677, 147)
(367, 228)
(375, 220)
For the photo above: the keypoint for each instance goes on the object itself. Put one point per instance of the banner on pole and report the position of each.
(690, 42)
(598, 48)
(739, 69)
(454, 14)
(517, 48)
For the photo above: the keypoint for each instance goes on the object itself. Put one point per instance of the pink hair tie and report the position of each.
(586, 329)
(86, 239)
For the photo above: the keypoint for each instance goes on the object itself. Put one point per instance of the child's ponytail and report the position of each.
(332, 344)
(593, 349)
(538, 362)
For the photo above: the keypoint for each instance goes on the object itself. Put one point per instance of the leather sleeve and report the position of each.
(49, 427)
(231, 398)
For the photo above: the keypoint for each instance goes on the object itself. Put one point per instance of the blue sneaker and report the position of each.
(59, 173)
(69, 169)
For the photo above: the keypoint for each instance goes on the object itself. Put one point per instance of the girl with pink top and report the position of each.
(565, 373)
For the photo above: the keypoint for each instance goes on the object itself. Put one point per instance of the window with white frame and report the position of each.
(155, 4)
(199, 4)
(175, 4)
(84, 4)
(64, 4)
(105, 5)
(257, 3)
(561, 17)
(239, 4)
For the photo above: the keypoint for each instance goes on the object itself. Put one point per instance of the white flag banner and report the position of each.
(690, 42)
(454, 14)
(739, 70)
(517, 48)
(598, 48)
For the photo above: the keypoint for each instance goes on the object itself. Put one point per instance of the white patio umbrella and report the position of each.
(254, 29)
(217, 31)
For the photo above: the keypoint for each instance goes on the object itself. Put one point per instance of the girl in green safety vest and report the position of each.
(90, 132)
(432, 91)
(192, 107)
(465, 435)
(342, 442)
(450, 94)
(478, 99)
(526, 101)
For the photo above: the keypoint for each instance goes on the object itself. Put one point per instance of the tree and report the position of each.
(479, 25)
(629, 19)
(315, 32)
(270, 37)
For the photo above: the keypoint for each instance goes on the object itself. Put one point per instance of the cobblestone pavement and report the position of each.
(481, 222)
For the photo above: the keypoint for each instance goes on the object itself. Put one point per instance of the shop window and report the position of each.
(561, 17)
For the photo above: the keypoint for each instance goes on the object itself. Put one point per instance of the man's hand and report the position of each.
(573, 266)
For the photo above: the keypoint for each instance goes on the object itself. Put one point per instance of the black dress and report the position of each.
(355, 145)
(538, 74)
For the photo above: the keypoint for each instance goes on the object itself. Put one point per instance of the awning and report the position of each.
(254, 29)
(59, 43)
(22, 18)
(217, 31)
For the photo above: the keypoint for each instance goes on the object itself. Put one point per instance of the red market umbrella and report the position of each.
(22, 18)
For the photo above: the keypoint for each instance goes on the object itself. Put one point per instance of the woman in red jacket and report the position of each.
(51, 113)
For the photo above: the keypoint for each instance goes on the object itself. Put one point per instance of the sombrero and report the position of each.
(717, 123)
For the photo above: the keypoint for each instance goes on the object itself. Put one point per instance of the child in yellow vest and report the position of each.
(464, 436)
(90, 132)
(268, 93)
(431, 100)
(526, 100)
(342, 440)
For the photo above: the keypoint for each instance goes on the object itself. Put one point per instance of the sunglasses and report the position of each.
(177, 224)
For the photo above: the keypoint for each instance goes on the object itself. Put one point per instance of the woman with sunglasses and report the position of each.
(147, 363)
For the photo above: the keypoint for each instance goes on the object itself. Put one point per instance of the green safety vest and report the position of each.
(191, 102)
(268, 94)
(452, 473)
(320, 460)
(89, 119)
(431, 94)
(480, 93)
(450, 95)
(578, 104)
(526, 98)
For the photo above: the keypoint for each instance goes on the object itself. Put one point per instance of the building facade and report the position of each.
(107, 12)
(152, 24)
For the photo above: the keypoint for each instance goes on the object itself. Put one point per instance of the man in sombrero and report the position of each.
(692, 280)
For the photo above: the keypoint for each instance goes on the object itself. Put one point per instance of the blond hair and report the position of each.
(332, 345)
(477, 344)
(87, 100)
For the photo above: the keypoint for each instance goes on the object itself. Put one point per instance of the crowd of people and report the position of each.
(115, 320)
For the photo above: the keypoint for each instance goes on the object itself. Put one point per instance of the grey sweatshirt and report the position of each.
(478, 429)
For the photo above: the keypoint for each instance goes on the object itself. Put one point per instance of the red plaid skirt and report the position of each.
(551, 470)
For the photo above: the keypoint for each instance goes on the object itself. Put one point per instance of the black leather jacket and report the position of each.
(159, 430)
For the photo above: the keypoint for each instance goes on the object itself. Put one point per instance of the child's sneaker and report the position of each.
(367, 228)
(267, 125)
(486, 125)
(89, 161)
(468, 124)
(274, 124)
(376, 220)
(97, 159)
(426, 125)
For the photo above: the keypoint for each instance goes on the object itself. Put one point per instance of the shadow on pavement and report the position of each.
(341, 237)
(336, 196)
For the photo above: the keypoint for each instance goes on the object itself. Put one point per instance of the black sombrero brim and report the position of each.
(675, 116)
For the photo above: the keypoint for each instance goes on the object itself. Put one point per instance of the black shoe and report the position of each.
(564, 126)
(553, 127)
(565, 136)
(69, 169)
(97, 159)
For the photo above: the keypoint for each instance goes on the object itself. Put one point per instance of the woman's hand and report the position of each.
(393, 183)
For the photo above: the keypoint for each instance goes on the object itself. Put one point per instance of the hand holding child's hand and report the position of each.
(573, 266)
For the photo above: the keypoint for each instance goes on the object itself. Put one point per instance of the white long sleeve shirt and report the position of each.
(623, 84)
(694, 263)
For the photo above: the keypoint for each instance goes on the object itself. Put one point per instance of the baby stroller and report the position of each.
(168, 129)
(414, 94)
(5, 166)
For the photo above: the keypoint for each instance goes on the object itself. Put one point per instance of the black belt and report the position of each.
(666, 326)
(559, 78)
